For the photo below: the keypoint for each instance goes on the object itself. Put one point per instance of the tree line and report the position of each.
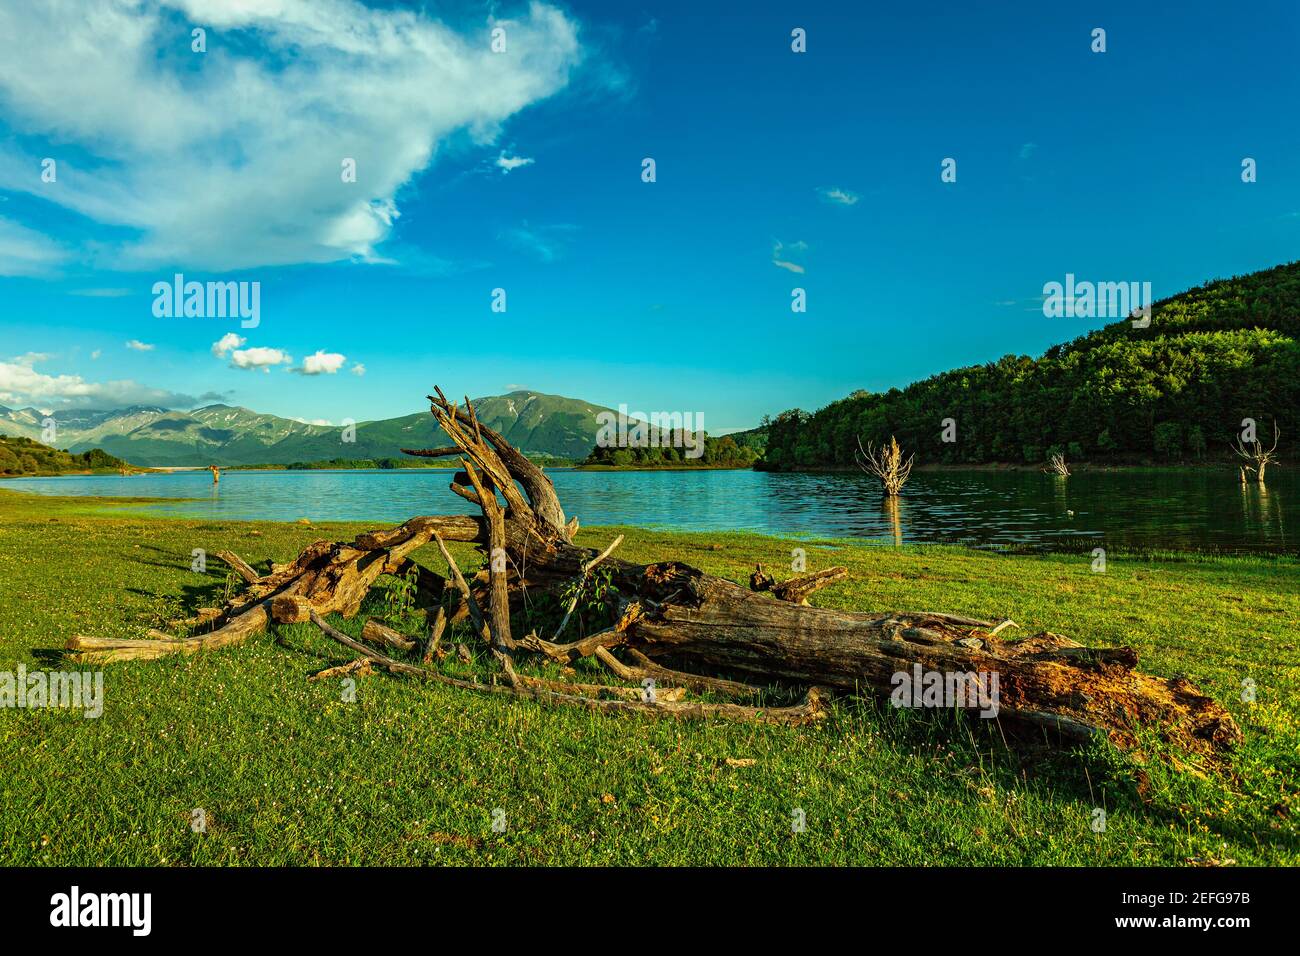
(723, 452)
(1175, 391)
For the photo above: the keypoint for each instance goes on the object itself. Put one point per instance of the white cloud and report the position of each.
(101, 293)
(547, 243)
(506, 162)
(840, 197)
(358, 369)
(233, 160)
(259, 357)
(26, 252)
(31, 358)
(782, 259)
(227, 342)
(135, 345)
(96, 354)
(322, 363)
(22, 385)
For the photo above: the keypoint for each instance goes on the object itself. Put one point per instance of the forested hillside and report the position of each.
(1175, 391)
(22, 456)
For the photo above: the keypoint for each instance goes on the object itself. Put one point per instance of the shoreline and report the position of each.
(1075, 469)
(135, 508)
(1079, 468)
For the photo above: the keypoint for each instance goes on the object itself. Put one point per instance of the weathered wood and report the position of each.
(106, 650)
(498, 572)
(377, 633)
(467, 596)
(795, 590)
(326, 577)
(647, 668)
(360, 667)
(240, 566)
(812, 708)
(447, 527)
(545, 504)
(716, 624)
(431, 646)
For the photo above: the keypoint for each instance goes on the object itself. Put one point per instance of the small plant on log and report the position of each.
(887, 464)
(690, 632)
(592, 597)
(399, 597)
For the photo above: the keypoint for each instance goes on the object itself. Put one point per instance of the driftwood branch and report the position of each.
(240, 566)
(795, 590)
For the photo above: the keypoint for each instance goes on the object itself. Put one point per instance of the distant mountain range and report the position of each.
(229, 435)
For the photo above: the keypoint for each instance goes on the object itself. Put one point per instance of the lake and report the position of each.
(1176, 509)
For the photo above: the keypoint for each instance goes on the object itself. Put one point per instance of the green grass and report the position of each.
(288, 772)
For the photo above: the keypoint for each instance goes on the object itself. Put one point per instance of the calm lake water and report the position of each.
(1175, 509)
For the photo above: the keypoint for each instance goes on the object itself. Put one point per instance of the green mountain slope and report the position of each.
(228, 435)
(1177, 390)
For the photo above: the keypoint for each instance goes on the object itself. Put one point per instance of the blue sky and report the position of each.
(672, 295)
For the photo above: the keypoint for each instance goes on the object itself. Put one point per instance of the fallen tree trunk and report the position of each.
(691, 631)
(1046, 681)
(325, 577)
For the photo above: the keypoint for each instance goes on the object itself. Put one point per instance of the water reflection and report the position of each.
(892, 506)
(1207, 509)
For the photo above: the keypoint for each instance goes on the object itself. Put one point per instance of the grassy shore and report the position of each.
(288, 772)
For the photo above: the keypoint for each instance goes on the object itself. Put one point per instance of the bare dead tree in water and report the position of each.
(887, 464)
(1257, 457)
(1057, 466)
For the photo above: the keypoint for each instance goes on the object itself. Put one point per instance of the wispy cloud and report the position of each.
(546, 243)
(783, 255)
(507, 163)
(31, 358)
(135, 345)
(1027, 150)
(101, 293)
(26, 252)
(837, 196)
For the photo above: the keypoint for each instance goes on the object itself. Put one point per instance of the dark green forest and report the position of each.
(1176, 391)
(722, 452)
